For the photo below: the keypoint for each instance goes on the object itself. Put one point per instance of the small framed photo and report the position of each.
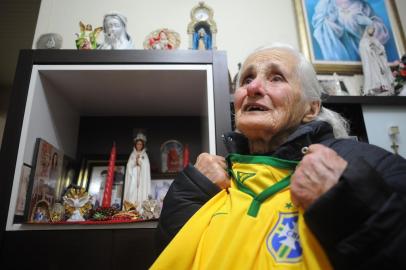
(333, 85)
(44, 181)
(93, 178)
(159, 188)
(22, 193)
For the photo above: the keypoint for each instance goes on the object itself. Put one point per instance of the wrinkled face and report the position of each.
(268, 99)
(113, 27)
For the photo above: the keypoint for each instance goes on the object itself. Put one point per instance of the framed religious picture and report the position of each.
(22, 193)
(171, 156)
(330, 31)
(44, 181)
(93, 177)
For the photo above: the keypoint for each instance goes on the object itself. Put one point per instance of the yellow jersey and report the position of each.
(251, 225)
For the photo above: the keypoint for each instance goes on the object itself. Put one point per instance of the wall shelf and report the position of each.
(370, 100)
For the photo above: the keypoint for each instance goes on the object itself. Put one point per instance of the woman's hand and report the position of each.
(215, 168)
(319, 170)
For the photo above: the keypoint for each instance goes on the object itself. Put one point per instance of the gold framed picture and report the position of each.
(330, 31)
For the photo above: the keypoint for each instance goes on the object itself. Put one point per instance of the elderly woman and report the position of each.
(300, 195)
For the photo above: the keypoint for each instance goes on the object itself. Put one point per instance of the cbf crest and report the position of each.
(283, 242)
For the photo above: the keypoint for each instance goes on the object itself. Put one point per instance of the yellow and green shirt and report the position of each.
(251, 225)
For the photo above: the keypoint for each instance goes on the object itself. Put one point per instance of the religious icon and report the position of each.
(202, 29)
(115, 32)
(171, 156)
(137, 185)
(162, 39)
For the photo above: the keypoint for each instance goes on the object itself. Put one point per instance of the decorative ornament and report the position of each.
(77, 203)
(87, 38)
(103, 213)
(57, 212)
(49, 41)
(151, 209)
(162, 39)
(202, 29)
(140, 136)
(399, 74)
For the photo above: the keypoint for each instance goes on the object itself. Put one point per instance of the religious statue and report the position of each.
(77, 203)
(201, 40)
(87, 38)
(162, 39)
(378, 78)
(137, 185)
(115, 32)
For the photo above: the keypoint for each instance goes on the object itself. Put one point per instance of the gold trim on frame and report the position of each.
(349, 68)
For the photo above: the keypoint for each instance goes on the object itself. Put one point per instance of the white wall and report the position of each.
(378, 120)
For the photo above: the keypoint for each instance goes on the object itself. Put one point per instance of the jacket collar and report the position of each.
(304, 135)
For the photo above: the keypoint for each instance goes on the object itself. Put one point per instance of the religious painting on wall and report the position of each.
(331, 30)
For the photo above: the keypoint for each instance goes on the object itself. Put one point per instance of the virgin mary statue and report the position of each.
(138, 175)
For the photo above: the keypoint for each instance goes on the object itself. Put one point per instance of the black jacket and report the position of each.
(360, 222)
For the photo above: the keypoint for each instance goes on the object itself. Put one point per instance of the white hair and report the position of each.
(310, 86)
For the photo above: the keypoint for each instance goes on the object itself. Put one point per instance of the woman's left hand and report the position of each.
(319, 170)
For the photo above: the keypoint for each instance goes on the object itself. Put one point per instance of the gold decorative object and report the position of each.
(77, 203)
(57, 212)
(128, 206)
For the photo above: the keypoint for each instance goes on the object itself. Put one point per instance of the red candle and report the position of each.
(185, 156)
(110, 178)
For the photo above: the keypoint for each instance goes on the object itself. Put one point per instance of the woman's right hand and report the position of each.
(214, 168)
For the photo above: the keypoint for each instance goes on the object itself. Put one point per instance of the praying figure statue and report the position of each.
(378, 78)
(115, 32)
(202, 40)
(137, 185)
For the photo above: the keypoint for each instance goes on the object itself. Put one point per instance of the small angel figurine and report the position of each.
(87, 38)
